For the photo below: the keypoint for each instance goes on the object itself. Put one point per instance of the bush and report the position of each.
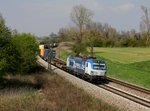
(27, 49)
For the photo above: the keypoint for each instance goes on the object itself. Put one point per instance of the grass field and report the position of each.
(128, 64)
(124, 55)
(46, 92)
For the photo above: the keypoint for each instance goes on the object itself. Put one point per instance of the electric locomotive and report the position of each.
(88, 67)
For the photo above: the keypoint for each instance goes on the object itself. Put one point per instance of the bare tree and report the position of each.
(80, 17)
(145, 24)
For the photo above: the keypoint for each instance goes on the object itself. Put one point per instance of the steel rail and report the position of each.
(129, 96)
(129, 85)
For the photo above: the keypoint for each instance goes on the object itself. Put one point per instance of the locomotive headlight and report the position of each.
(92, 72)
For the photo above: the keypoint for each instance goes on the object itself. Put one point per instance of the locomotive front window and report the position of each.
(98, 66)
(71, 63)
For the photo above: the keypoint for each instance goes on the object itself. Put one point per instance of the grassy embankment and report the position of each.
(128, 64)
(46, 92)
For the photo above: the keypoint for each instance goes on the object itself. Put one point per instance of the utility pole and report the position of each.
(49, 56)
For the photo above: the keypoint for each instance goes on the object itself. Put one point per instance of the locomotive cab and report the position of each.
(95, 68)
(86, 67)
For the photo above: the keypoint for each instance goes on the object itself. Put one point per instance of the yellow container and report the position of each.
(41, 47)
(42, 52)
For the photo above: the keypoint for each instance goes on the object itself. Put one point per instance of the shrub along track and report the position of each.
(132, 92)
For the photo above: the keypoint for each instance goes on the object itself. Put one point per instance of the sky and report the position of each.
(42, 17)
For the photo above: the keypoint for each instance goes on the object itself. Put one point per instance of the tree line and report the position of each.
(17, 51)
(85, 31)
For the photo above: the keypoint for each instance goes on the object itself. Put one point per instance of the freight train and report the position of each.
(44, 51)
(87, 67)
(84, 66)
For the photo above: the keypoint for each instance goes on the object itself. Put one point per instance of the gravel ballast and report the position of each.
(130, 90)
(93, 90)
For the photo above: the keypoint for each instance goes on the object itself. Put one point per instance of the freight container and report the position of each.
(42, 53)
(41, 47)
(45, 54)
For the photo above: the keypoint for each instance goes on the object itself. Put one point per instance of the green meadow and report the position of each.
(128, 64)
(124, 55)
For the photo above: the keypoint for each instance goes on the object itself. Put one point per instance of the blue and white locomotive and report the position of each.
(89, 67)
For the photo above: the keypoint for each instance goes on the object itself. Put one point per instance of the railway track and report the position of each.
(141, 89)
(127, 95)
(145, 102)
(123, 83)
